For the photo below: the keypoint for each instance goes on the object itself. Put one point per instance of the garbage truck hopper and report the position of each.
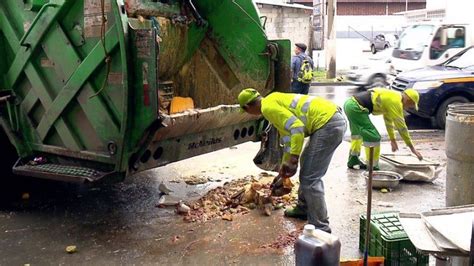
(94, 89)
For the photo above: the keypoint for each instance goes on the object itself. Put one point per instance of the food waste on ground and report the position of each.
(236, 198)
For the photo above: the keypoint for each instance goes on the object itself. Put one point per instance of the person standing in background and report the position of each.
(301, 70)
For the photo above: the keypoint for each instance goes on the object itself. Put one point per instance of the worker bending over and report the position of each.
(379, 101)
(297, 116)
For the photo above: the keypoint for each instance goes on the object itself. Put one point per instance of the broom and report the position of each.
(369, 205)
(367, 260)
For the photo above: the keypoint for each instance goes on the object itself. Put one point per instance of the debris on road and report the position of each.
(71, 249)
(238, 198)
(182, 208)
(195, 180)
(284, 240)
(384, 204)
(164, 189)
(227, 217)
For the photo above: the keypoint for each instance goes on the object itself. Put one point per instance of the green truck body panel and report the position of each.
(85, 81)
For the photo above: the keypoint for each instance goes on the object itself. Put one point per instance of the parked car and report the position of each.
(372, 73)
(382, 42)
(440, 85)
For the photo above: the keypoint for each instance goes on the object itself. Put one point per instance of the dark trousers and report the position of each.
(299, 87)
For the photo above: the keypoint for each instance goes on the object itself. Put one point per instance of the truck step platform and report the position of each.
(59, 172)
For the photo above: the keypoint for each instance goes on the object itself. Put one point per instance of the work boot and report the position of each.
(296, 212)
(355, 163)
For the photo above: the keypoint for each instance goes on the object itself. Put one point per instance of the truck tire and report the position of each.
(9, 155)
(443, 109)
(372, 49)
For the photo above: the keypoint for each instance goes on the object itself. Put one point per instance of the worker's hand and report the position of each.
(418, 154)
(414, 151)
(288, 169)
(394, 145)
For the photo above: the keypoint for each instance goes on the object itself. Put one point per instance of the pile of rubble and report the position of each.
(238, 197)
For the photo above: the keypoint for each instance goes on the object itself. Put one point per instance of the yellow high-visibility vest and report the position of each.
(389, 104)
(296, 116)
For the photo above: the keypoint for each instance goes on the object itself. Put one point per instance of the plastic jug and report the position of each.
(316, 247)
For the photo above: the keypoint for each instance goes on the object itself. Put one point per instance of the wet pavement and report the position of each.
(121, 224)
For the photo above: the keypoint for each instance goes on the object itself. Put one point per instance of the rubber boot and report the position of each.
(296, 212)
(355, 163)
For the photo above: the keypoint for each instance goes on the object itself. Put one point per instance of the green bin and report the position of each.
(388, 239)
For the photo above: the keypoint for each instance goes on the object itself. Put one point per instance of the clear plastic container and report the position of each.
(316, 247)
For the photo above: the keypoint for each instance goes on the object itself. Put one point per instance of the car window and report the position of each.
(415, 38)
(455, 37)
(446, 38)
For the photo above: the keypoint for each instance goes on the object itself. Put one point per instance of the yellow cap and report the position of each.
(414, 96)
(247, 96)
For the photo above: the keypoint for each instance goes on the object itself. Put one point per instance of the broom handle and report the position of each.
(369, 205)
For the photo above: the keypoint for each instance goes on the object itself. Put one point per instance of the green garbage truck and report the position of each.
(102, 89)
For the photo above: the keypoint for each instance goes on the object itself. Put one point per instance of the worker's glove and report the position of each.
(288, 169)
(281, 186)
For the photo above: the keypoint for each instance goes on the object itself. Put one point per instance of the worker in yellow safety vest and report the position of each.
(297, 116)
(378, 101)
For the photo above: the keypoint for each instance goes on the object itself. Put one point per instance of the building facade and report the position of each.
(371, 7)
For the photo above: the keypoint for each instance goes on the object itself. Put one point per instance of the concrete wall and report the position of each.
(286, 22)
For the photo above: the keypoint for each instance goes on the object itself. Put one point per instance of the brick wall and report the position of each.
(345, 9)
(284, 22)
(350, 8)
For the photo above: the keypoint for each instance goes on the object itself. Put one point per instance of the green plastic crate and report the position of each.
(388, 239)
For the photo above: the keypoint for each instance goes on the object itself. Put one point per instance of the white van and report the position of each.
(429, 43)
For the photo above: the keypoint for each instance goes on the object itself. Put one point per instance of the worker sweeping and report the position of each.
(296, 116)
(378, 101)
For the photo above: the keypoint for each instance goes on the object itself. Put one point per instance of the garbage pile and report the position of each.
(236, 198)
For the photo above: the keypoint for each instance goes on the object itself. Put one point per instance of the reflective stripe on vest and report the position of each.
(290, 122)
(295, 100)
(305, 107)
(297, 130)
(285, 140)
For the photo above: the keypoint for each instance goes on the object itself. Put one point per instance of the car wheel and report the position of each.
(443, 109)
(378, 82)
(385, 47)
(372, 49)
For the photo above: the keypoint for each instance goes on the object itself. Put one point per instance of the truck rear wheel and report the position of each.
(443, 109)
(9, 155)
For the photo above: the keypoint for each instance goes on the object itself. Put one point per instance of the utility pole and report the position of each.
(330, 35)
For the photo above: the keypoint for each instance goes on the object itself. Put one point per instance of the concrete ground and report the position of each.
(120, 223)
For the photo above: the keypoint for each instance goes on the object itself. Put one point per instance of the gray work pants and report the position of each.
(315, 160)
